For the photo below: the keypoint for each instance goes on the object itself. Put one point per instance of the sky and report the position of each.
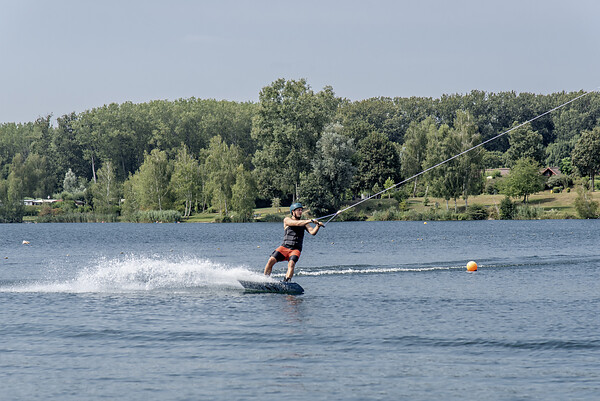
(63, 56)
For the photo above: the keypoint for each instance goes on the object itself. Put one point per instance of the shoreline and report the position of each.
(544, 205)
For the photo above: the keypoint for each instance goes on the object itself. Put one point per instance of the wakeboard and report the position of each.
(279, 287)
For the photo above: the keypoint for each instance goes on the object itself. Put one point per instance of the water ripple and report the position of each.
(550, 344)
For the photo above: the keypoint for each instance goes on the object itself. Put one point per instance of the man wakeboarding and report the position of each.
(293, 236)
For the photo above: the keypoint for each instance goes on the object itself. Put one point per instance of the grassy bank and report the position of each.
(560, 202)
(545, 205)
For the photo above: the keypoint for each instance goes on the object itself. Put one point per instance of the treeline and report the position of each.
(194, 155)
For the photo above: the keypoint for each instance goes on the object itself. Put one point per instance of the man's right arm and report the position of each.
(288, 221)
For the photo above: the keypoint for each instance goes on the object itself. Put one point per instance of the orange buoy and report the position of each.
(471, 266)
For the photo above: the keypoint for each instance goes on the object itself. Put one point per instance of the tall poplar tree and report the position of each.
(186, 180)
(243, 193)
(469, 165)
(414, 149)
(220, 168)
(442, 180)
(107, 189)
(150, 183)
(462, 175)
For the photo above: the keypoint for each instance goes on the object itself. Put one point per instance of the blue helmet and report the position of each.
(295, 206)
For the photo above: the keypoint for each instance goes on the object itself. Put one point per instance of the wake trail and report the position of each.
(345, 270)
(135, 273)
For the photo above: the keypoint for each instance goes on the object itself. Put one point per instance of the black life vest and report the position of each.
(293, 237)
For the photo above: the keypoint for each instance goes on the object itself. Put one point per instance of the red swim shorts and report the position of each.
(283, 253)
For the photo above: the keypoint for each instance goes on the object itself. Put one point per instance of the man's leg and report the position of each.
(269, 265)
(290, 271)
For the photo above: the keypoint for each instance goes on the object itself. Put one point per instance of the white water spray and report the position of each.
(136, 273)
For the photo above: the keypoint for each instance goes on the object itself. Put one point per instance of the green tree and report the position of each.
(42, 131)
(19, 181)
(332, 171)
(507, 209)
(150, 184)
(30, 177)
(493, 159)
(186, 182)
(130, 204)
(525, 143)
(569, 123)
(220, 166)
(378, 159)
(42, 181)
(69, 153)
(42, 158)
(586, 155)
(559, 150)
(288, 123)
(314, 194)
(566, 166)
(414, 150)
(243, 193)
(106, 191)
(469, 165)
(387, 185)
(90, 139)
(362, 117)
(14, 138)
(523, 180)
(586, 207)
(462, 175)
(70, 183)
(11, 204)
(13, 190)
(442, 180)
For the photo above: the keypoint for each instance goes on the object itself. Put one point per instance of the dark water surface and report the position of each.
(154, 311)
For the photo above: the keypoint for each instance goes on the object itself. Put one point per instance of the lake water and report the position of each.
(154, 311)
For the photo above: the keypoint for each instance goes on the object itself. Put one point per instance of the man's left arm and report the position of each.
(313, 230)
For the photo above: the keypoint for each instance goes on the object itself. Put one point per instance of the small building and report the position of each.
(39, 202)
(32, 202)
(550, 171)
